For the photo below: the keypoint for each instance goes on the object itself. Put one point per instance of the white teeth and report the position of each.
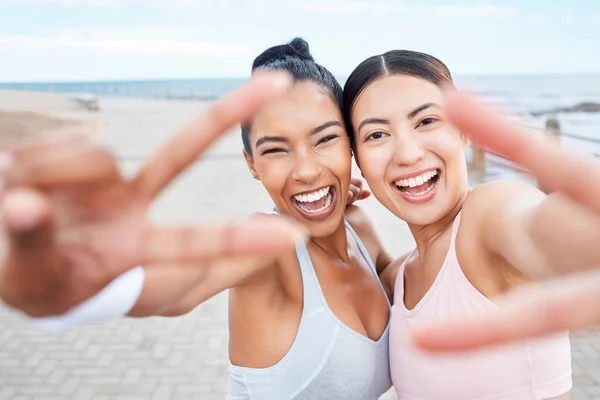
(416, 181)
(309, 211)
(312, 197)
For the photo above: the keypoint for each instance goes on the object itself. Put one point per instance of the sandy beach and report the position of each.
(158, 358)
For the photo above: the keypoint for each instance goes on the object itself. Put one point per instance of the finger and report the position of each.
(6, 163)
(68, 166)
(32, 260)
(540, 309)
(353, 194)
(254, 235)
(364, 194)
(556, 168)
(189, 143)
(356, 182)
(39, 144)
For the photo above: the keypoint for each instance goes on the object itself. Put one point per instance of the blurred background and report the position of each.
(132, 71)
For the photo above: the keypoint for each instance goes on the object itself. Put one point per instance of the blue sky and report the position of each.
(62, 40)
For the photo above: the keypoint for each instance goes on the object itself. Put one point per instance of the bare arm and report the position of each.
(539, 235)
(173, 290)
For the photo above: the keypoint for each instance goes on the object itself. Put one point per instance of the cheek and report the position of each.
(338, 159)
(374, 161)
(273, 175)
(448, 145)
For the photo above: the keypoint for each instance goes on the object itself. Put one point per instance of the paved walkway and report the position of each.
(159, 359)
(186, 357)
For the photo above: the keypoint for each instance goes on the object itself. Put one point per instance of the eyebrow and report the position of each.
(266, 139)
(411, 115)
(373, 121)
(326, 125)
(281, 139)
(423, 107)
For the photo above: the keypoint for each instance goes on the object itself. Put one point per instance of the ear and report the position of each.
(250, 163)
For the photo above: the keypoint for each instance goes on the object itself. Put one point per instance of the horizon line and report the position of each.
(233, 78)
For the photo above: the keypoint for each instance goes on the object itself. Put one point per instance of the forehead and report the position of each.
(395, 94)
(304, 107)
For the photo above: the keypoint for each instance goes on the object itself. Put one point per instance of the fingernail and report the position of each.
(6, 161)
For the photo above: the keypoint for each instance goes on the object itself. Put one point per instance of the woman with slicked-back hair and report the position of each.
(472, 245)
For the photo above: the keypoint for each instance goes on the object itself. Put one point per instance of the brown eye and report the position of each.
(328, 138)
(376, 136)
(272, 151)
(427, 121)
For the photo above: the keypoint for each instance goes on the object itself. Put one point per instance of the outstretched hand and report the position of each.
(566, 303)
(71, 222)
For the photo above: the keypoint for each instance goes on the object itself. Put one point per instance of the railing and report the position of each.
(480, 157)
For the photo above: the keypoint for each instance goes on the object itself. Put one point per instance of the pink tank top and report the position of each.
(531, 370)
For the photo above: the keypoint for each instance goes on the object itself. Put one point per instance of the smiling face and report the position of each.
(301, 154)
(411, 157)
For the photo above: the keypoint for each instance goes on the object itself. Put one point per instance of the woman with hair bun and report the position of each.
(307, 323)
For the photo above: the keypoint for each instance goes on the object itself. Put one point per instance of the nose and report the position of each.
(307, 167)
(408, 150)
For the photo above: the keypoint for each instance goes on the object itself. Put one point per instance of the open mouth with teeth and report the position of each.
(318, 204)
(418, 186)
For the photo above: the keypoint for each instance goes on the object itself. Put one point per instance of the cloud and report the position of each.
(307, 6)
(143, 46)
(105, 3)
(386, 6)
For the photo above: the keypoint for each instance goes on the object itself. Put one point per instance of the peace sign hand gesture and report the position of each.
(571, 220)
(72, 223)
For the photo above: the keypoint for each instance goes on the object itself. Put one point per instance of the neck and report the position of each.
(334, 245)
(426, 235)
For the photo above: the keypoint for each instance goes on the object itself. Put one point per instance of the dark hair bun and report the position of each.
(298, 48)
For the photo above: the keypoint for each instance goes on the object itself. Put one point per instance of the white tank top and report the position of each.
(327, 359)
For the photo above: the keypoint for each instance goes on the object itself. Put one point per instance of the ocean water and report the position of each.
(520, 95)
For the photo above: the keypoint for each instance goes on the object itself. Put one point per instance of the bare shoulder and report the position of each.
(488, 224)
(490, 207)
(389, 275)
(499, 194)
(361, 223)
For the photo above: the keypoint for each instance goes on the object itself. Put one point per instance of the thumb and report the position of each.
(32, 261)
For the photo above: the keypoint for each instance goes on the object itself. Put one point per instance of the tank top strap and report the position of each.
(361, 247)
(455, 226)
(310, 283)
(399, 281)
(311, 290)
(366, 256)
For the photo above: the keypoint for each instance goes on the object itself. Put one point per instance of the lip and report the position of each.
(415, 173)
(423, 199)
(322, 215)
(311, 190)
